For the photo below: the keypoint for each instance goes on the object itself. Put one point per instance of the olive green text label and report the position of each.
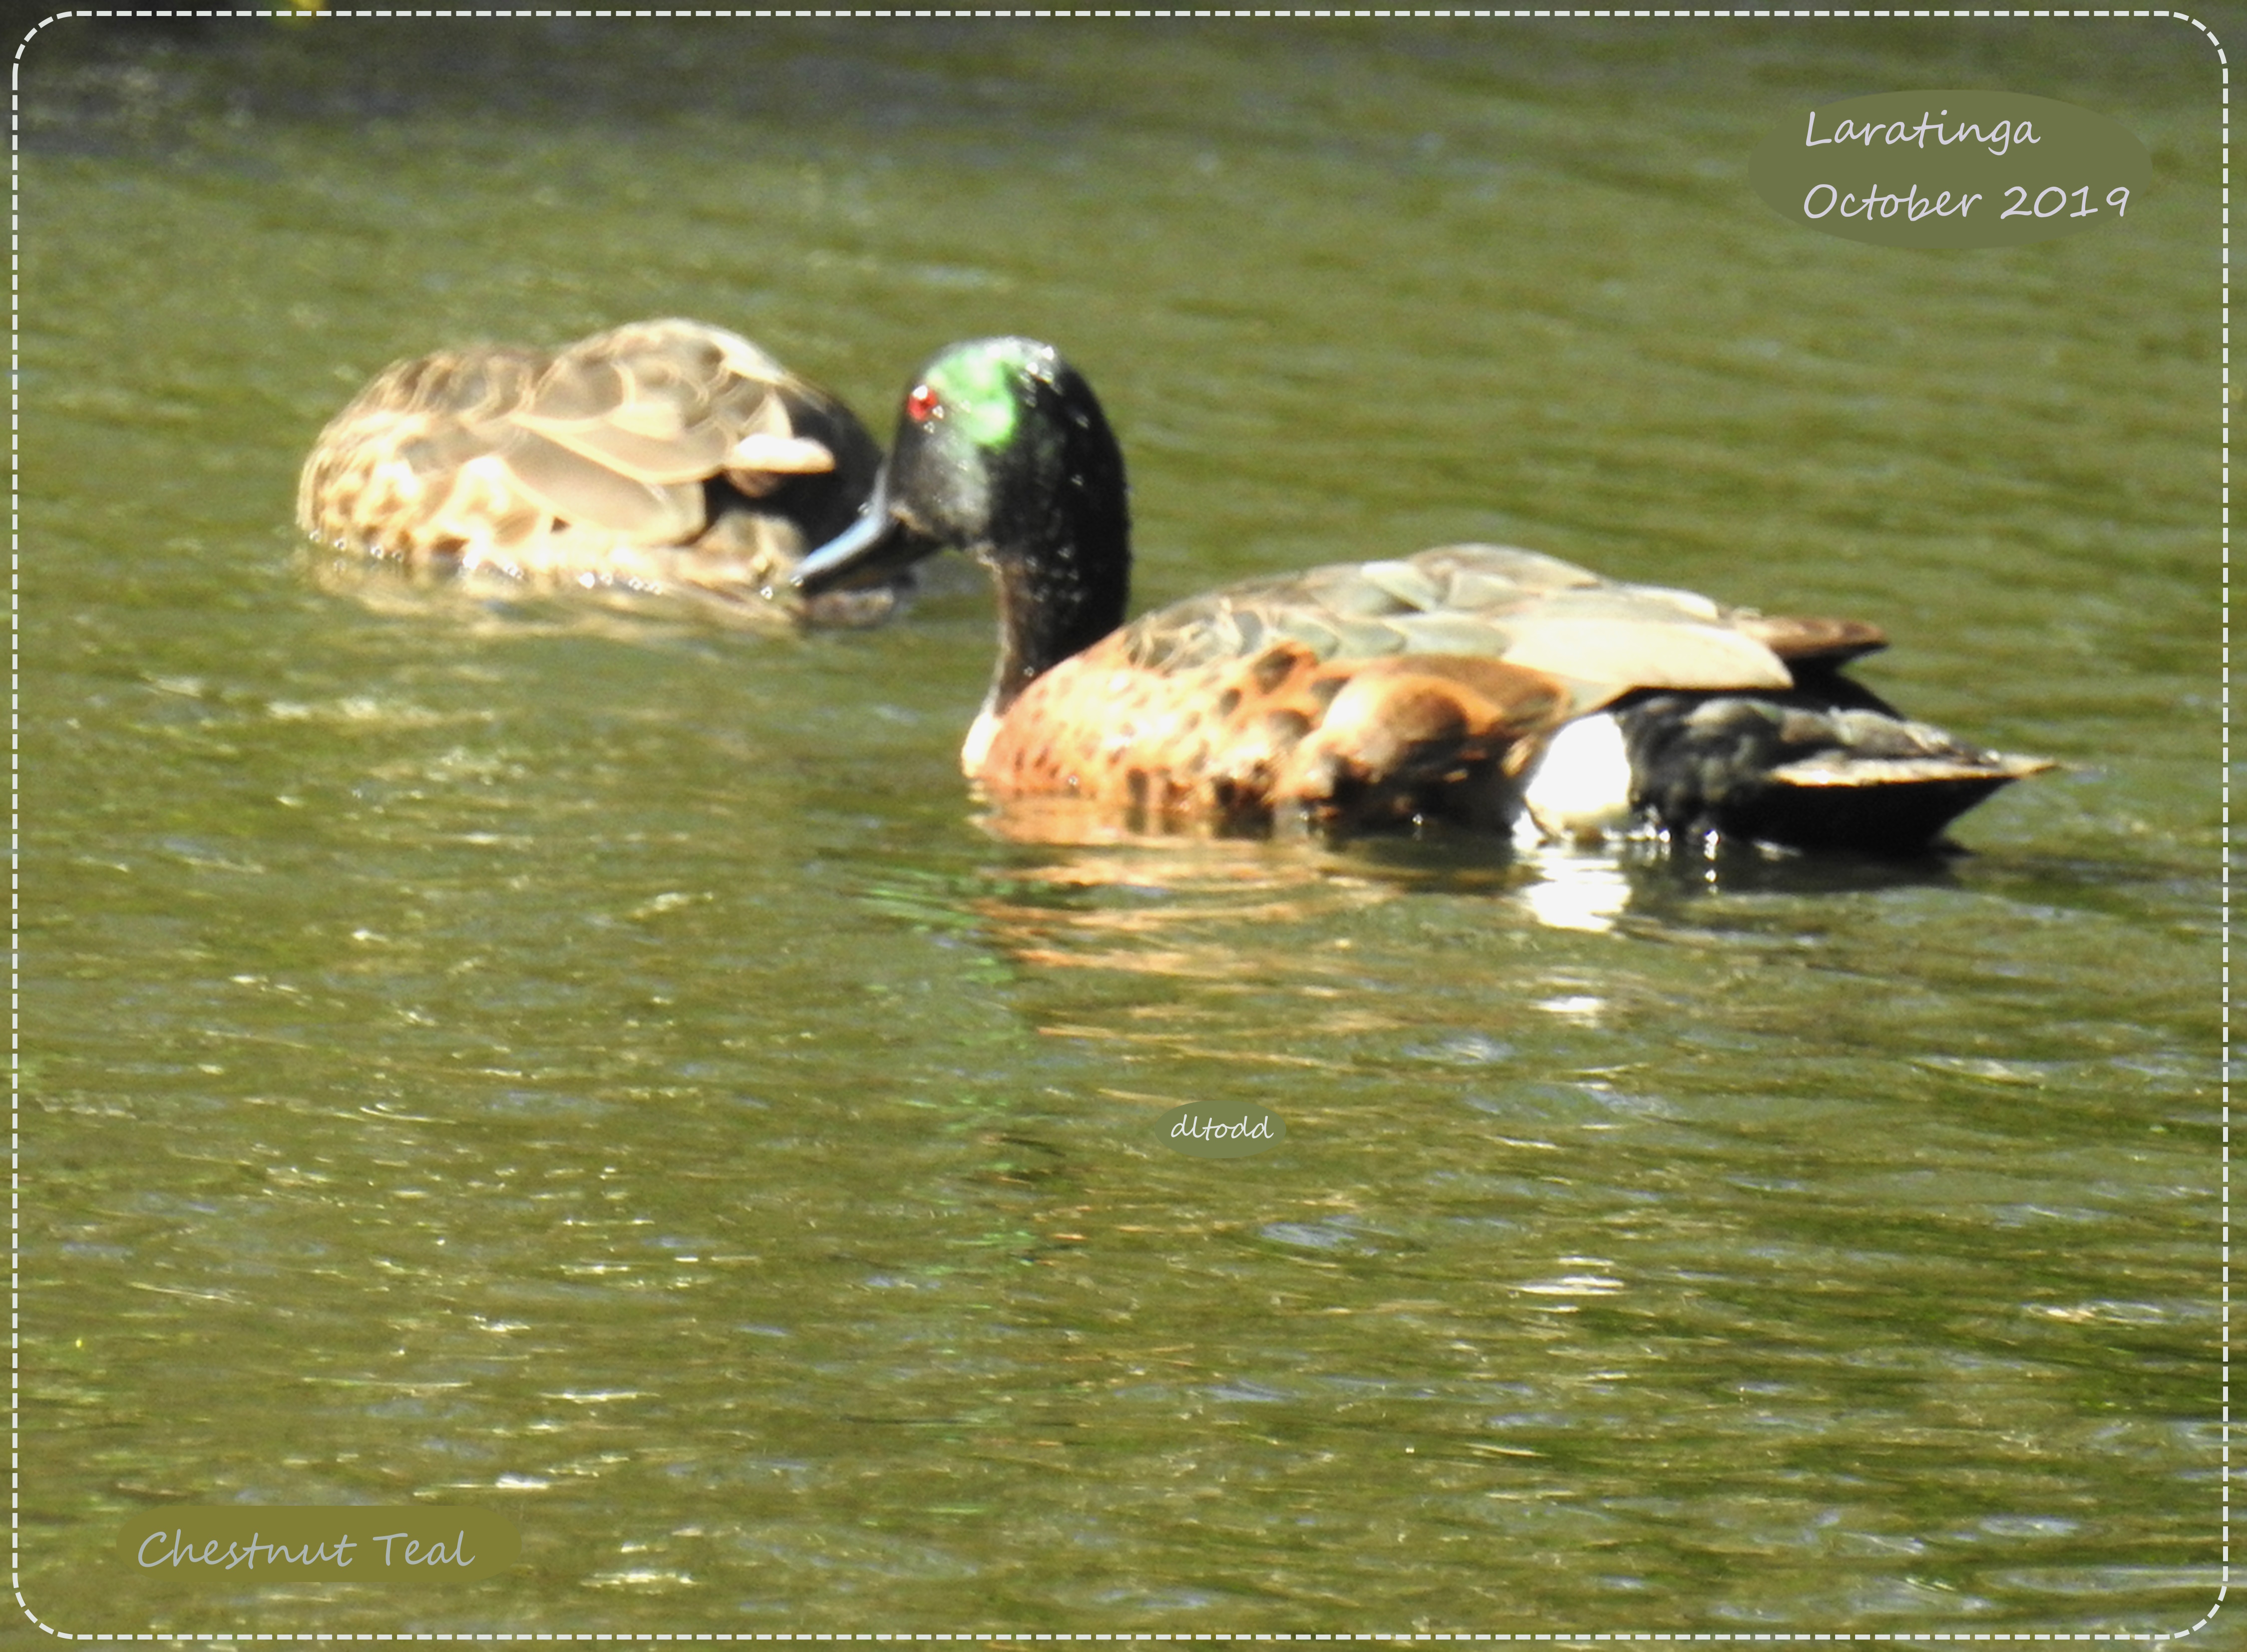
(408, 1548)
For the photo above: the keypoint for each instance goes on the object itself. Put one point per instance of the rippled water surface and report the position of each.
(600, 1068)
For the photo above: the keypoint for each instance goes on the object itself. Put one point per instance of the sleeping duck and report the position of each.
(1478, 683)
(660, 458)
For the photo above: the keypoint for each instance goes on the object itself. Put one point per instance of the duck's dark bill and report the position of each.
(870, 549)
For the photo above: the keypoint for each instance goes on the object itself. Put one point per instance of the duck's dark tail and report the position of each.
(1831, 768)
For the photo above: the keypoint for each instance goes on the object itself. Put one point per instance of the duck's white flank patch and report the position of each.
(980, 733)
(1581, 787)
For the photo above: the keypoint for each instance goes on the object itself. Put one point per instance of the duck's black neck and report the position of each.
(1051, 609)
(1063, 566)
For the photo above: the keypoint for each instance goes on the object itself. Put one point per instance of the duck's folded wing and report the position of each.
(579, 490)
(1603, 639)
(671, 401)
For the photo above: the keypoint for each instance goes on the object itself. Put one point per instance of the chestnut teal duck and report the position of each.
(1483, 684)
(662, 458)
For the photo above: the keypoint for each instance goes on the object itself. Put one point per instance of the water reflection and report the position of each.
(1207, 908)
(1573, 890)
(485, 605)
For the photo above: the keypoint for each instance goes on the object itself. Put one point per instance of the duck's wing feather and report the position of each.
(1601, 637)
(532, 461)
(671, 401)
(1801, 640)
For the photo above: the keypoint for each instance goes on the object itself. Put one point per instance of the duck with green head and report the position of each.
(1478, 683)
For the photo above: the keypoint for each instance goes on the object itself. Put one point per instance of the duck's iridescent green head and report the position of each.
(975, 386)
(1002, 451)
(1001, 446)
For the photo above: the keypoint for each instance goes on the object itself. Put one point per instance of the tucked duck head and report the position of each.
(665, 458)
(1002, 451)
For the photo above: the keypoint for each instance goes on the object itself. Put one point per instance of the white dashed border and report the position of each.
(14, 769)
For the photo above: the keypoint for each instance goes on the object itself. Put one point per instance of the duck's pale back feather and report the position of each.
(1601, 637)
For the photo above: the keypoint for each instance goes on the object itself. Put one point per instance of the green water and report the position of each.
(602, 1070)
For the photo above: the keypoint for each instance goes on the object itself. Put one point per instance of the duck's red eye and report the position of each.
(923, 405)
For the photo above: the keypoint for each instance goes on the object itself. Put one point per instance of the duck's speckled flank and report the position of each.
(1235, 741)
